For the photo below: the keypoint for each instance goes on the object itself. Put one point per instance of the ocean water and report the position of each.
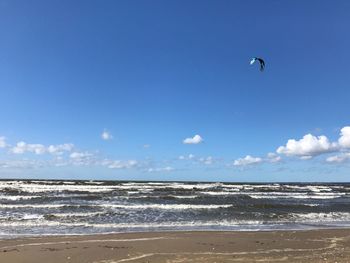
(30, 208)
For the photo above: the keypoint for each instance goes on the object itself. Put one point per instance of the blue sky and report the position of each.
(151, 74)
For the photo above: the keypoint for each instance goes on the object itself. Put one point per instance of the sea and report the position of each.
(33, 208)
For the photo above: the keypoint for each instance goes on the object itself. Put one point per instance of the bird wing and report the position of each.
(262, 64)
(252, 61)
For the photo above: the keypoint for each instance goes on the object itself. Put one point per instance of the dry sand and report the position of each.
(275, 246)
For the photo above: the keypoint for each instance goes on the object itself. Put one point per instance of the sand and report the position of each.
(274, 246)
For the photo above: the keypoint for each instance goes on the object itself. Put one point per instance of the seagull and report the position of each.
(261, 61)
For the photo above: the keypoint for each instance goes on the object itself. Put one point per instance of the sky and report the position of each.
(163, 90)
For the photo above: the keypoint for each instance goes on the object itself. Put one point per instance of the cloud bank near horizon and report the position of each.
(23, 155)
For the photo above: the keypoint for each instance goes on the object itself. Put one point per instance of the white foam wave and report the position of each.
(141, 206)
(81, 214)
(38, 188)
(35, 205)
(102, 187)
(45, 223)
(43, 186)
(221, 193)
(276, 195)
(312, 188)
(93, 182)
(282, 195)
(18, 197)
(165, 206)
(32, 223)
(184, 196)
(321, 217)
(32, 216)
(300, 218)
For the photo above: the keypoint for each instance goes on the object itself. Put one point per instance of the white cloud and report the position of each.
(60, 149)
(307, 147)
(80, 155)
(22, 164)
(62, 155)
(2, 142)
(273, 158)
(146, 146)
(207, 160)
(119, 164)
(22, 147)
(344, 140)
(106, 135)
(195, 160)
(188, 157)
(340, 158)
(194, 140)
(161, 169)
(82, 158)
(248, 160)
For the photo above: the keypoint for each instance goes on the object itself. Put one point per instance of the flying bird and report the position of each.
(261, 61)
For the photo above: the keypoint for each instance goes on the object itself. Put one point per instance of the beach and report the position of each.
(330, 245)
(111, 222)
(174, 131)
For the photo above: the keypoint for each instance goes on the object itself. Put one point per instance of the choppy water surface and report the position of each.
(86, 207)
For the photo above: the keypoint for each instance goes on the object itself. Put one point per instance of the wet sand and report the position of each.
(166, 247)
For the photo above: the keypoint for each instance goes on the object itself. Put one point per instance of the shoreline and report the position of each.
(29, 236)
(316, 245)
